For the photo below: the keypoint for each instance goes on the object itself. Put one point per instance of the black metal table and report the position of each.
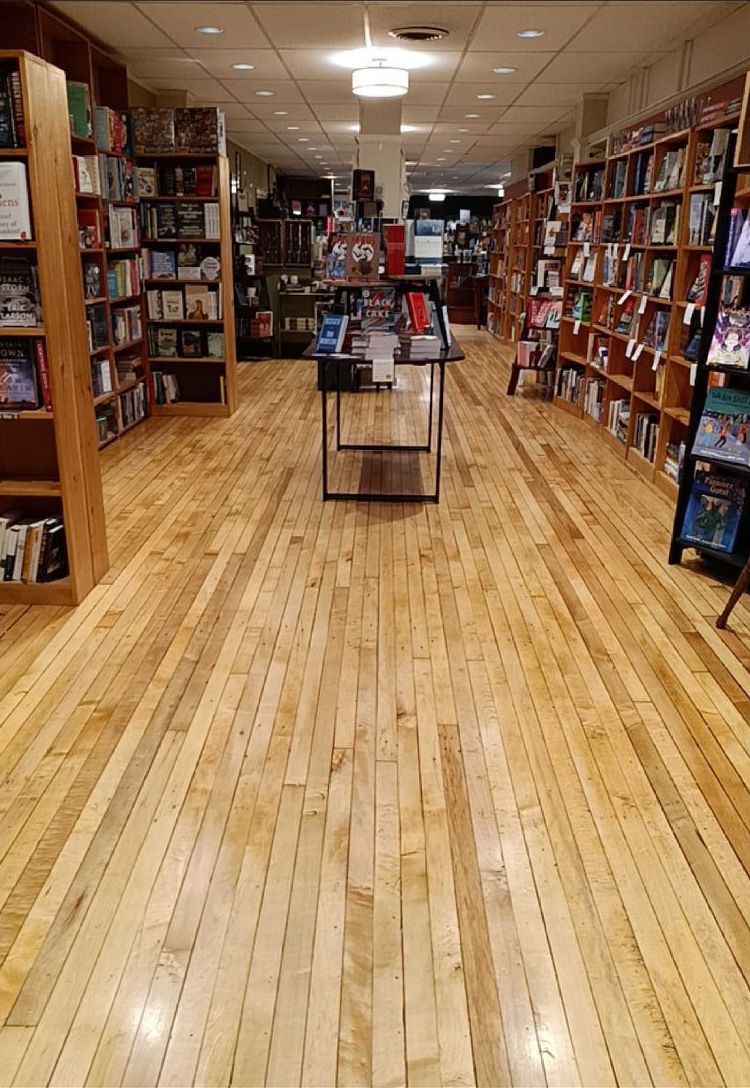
(343, 365)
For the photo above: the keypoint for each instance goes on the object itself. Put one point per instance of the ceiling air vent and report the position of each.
(418, 33)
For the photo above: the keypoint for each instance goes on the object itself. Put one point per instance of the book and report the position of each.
(215, 345)
(197, 302)
(713, 511)
(332, 333)
(79, 109)
(18, 379)
(172, 305)
(92, 279)
(362, 256)
(724, 430)
(145, 179)
(418, 310)
(89, 229)
(42, 369)
(191, 342)
(699, 287)
(15, 212)
(20, 304)
(160, 264)
(740, 253)
(166, 342)
(200, 129)
(152, 129)
(730, 344)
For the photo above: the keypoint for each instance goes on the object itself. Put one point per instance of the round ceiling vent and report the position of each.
(418, 33)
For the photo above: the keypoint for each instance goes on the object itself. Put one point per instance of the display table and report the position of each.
(342, 366)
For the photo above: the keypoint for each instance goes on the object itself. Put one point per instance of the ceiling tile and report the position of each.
(179, 20)
(477, 66)
(551, 94)
(218, 63)
(530, 115)
(458, 18)
(120, 25)
(245, 124)
(325, 91)
(465, 94)
(571, 67)
(176, 66)
(202, 89)
(500, 25)
(344, 112)
(284, 92)
(304, 26)
(639, 25)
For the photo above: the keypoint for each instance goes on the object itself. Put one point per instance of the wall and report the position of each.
(139, 96)
(255, 172)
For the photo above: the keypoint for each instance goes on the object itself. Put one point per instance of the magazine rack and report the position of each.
(738, 554)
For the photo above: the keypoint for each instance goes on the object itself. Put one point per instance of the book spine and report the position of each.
(15, 93)
(43, 372)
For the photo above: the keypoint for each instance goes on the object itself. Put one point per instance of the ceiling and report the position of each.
(308, 124)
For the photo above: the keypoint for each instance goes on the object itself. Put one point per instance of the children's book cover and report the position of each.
(730, 345)
(724, 429)
(714, 509)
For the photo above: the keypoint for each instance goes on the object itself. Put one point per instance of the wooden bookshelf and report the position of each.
(647, 384)
(48, 459)
(207, 385)
(498, 265)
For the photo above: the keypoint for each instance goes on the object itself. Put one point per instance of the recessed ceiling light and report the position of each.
(440, 160)
(209, 29)
(483, 96)
(265, 94)
(463, 130)
(280, 113)
(471, 116)
(529, 33)
(503, 71)
(455, 141)
(292, 128)
(304, 139)
(244, 67)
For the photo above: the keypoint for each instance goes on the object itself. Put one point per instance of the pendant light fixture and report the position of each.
(380, 80)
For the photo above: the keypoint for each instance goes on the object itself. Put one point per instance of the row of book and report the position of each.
(32, 549)
(24, 375)
(190, 219)
(12, 126)
(101, 374)
(187, 261)
(171, 343)
(123, 278)
(192, 129)
(167, 179)
(108, 176)
(193, 302)
(646, 434)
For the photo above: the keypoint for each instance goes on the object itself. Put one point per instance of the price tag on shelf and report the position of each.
(576, 326)
(549, 251)
(717, 193)
(616, 250)
(703, 314)
(556, 292)
(534, 290)
(693, 373)
(587, 249)
(624, 297)
(643, 304)
(638, 352)
(657, 360)
(687, 317)
(629, 349)
(626, 252)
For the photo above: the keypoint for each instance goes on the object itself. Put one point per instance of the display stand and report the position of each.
(49, 465)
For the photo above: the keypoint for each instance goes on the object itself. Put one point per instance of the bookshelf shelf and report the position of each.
(13, 152)
(48, 462)
(168, 359)
(181, 241)
(15, 330)
(128, 345)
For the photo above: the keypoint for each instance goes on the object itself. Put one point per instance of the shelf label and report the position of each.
(534, 290)
(577, 326)
(556, 292)
(629, 349)
(626, 252)
(687, 317)
(693, 373)
(643, 304)
(717, 193)
(703, 314)
(638, 352)
(624, 297)
(549, 251)
(616, 250)
(657, 360)
(587, 249)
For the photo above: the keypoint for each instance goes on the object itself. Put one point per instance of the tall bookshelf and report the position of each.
(519, 265)
(206, 379)
(48, 459)
(498, 265)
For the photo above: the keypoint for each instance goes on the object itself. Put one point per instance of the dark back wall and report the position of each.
(452, 205)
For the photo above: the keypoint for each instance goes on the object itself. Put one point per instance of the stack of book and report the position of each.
(32, 550)
(419, 346)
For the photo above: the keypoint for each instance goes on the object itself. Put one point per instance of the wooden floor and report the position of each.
(368, 794)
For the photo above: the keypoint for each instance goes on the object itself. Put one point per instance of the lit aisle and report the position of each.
(308, 792)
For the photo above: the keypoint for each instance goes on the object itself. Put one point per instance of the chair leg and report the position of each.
(739, 588)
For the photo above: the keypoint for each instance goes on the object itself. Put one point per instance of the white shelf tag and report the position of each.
(576, 327)
(657, 360)
(703, 314)
(693, 373)
(629, 349)
(687, 317)
(717, 193)
(624, 297)
(638, 352)
(626, 252)
(643, 304)
(534, 290)
(587, 249)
